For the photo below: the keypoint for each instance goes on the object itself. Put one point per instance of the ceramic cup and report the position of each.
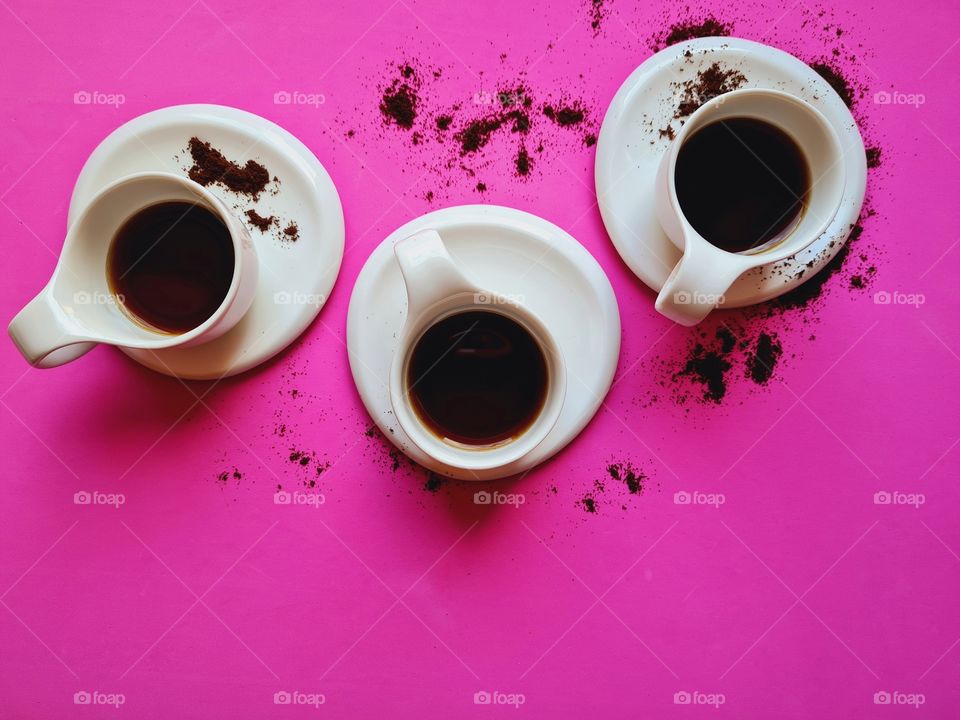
(437, 287)
(704, 274)
(77, 309)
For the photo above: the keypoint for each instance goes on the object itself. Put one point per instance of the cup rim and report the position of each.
(214, 204)
(785, 249)
(481, 458)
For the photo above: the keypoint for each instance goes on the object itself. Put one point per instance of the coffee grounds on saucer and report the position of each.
(711, 82)
(291, 232)
(261, 223)
(247, 181)
(211, 167)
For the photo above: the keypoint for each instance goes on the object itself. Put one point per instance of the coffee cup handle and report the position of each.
(697, 285)
(429, 272)
(45, 335)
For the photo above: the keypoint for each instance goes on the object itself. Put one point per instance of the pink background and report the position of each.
(798, 597)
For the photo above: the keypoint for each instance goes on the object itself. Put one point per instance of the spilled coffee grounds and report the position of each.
(708, 367)
(211, 167)
(690, 30)
(565, 116)
(598, 13)
(837, 81)
(458, 139)
(631, 477)
(261, 223)
(763, 359)
(523, 162)
(620, 481)
(398, 104)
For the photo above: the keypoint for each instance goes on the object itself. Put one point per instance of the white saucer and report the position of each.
(508, 252)
(295, 278)
(627, 160)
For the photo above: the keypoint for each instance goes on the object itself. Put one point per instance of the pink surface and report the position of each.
(798, 597)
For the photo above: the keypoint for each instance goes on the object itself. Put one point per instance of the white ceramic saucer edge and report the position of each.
(372, 327)
(628, 215)
(306, 270)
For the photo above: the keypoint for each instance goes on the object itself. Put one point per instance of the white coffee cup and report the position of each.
(78, 309)
(437, 287)
(705, 272)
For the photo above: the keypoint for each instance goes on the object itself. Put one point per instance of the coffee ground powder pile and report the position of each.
(211, 167)
(399, 101)
(248, 181)
(709, 83)
(261, 223)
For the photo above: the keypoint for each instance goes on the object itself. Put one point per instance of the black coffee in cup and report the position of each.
(742, 183)
(171, 264)
(477, 377)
